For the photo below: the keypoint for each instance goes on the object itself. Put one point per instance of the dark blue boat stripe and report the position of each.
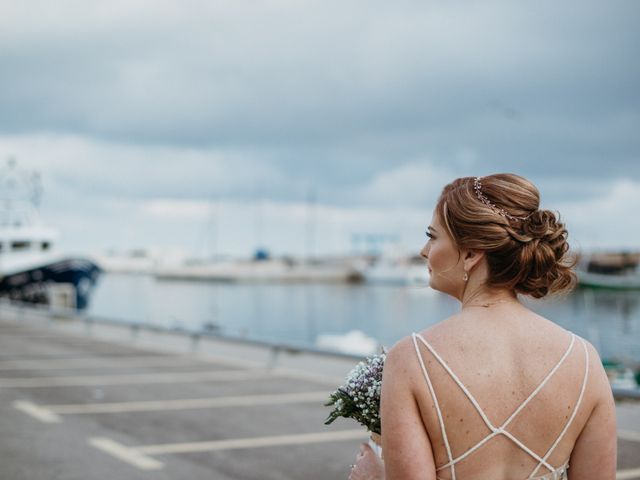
(32, 285)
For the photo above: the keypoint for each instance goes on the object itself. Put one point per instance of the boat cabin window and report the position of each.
(46, 245)
(20, 245)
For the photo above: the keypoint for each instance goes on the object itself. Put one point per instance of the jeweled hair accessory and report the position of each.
(477, 186)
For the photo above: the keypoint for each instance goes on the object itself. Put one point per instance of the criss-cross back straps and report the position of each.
(495, 430)
(575, 409)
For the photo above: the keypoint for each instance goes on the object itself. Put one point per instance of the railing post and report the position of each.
(195, 339)
(88, 326)
(135, 331)
(273, 356)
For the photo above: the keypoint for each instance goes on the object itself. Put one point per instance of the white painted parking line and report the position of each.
(133, 379)
(13, 335)
(255, 442)
(96, 362)
(629, 435)
(140, 456)
(51, 413)
(126, 454)
(41, 413)
(195, 403)
(630, 474)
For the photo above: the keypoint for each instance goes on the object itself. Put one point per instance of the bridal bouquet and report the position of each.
(359, 397)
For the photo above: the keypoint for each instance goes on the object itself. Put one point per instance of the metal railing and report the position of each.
(22, 309)
(276, 349)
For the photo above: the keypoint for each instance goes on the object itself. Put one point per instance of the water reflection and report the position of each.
(299, 313)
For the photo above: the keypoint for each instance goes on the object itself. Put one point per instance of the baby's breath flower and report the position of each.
(359, 397)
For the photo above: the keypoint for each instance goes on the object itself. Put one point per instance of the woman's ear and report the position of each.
(472, 258)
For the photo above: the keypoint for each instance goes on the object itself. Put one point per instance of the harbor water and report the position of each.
(307, 314)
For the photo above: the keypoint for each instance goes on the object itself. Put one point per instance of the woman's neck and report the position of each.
(487, 299)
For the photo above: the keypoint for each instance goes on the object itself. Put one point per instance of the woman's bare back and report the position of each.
(501, 356)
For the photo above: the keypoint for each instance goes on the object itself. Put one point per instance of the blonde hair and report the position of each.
(529, 256)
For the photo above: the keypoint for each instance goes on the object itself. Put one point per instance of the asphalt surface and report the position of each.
(78, 404)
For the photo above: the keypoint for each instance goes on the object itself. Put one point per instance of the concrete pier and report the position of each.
(88, 401)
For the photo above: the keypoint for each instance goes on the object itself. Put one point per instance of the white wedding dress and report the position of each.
(555, 473)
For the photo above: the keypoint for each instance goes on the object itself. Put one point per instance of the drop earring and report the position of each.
(466, 276)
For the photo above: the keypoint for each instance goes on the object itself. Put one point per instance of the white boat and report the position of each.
(31, 270)
(263, 270)
(618, 270)
(136, 262)
(395, 270)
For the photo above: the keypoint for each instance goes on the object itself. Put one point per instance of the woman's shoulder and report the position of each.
(407, 344)
(463, 328)
(487, 329)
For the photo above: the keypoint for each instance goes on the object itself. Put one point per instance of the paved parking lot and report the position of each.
(78, 406)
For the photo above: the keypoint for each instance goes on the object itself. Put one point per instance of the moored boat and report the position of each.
(617, 270)
(395, 270)
(31, 270)
(263, 270)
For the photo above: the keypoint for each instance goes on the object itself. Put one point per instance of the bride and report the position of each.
(495, 391)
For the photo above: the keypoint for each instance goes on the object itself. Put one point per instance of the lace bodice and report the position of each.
(554, 473)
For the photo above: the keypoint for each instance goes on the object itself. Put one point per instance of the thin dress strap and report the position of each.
(495, 430)
(435, 400)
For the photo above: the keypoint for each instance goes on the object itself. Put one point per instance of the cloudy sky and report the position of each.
(222, 126)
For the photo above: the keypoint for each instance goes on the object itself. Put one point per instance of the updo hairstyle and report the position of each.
(529, 256)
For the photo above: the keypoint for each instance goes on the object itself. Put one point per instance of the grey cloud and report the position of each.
(304, 75)
(287, 98)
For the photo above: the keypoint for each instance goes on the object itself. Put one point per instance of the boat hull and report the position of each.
(36, 285)
(262, 271)
(610, 281)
